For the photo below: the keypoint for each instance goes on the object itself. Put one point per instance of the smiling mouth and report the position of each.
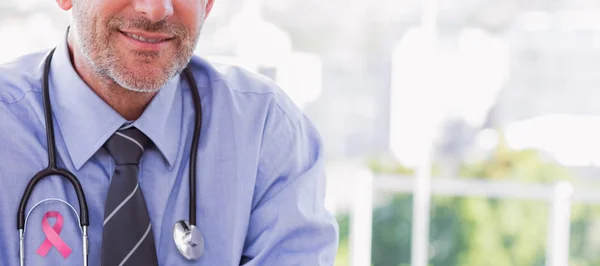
(146, 40)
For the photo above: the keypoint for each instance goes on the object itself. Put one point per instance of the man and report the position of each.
(124, 120)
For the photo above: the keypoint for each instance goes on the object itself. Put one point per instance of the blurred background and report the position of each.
(463, 132)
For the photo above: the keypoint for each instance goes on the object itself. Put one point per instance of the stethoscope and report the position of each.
(186, 235)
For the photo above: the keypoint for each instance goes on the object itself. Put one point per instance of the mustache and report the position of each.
(144, 24)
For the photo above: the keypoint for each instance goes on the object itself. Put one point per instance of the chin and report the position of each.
(140, 79)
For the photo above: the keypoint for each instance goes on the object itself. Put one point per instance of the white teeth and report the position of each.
(142, 39)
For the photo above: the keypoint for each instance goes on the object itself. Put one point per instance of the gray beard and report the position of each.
(105, 62)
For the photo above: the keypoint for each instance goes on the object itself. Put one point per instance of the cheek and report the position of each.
(101, 12)
(109, 7)
(190, 13)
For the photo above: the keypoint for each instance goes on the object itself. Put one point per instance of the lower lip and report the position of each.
(146, 46)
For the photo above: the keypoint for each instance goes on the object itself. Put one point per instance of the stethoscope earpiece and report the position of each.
(188, 240)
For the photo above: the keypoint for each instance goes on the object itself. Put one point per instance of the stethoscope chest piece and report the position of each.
(188, 240)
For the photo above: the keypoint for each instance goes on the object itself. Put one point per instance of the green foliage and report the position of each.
(506, 232)
(392, 232)
(388, 165)
(585, 235)
(342, 258)
(478, 231)
(521, 165)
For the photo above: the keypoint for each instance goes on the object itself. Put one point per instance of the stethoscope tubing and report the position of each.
(53, 169)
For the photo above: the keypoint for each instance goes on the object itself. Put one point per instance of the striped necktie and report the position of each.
(127, 237)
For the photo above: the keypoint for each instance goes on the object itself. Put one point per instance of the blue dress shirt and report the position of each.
(260, 179)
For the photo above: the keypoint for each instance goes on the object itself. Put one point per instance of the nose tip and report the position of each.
(155, 10)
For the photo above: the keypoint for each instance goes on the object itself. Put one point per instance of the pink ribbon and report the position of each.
(52, 236)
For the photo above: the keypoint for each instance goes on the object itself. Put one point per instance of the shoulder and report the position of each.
(247, 88)
(20, 103)
(21, 76)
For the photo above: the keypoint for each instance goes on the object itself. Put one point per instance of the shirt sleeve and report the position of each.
(289, 224)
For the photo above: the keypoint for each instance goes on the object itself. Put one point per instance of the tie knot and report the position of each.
(127, 146)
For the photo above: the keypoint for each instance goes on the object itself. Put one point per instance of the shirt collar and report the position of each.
(86, 121)
(162, 119)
